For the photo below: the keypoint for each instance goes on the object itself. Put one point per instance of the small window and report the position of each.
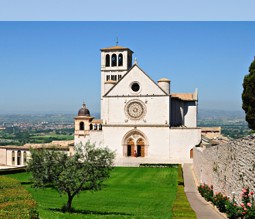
(191, 153)
(135, 87)
(25, 157)
(114, 77)
(81, 125)
(119, 77)
(95, 127)
(120, 60)
(13, 157)
(100, 126)
(107, 77)
(114, 60)
(19, 157)
(90, 127)
(107, 60)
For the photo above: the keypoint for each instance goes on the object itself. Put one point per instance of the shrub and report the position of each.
(234, 211)
(248, 206)
(206, 192)
(220, 200)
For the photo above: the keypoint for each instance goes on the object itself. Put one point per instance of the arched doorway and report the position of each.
(135, 144)
(130, 148)
(140, 147)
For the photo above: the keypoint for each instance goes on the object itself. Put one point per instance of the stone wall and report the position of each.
(228, 167)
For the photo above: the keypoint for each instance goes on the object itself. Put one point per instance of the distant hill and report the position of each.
(232, 123)
(204, 114)
(41, 117)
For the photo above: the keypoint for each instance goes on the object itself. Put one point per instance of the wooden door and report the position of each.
(130, 148)
(140, 147)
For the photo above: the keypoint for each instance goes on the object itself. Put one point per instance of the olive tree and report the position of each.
(85, 170)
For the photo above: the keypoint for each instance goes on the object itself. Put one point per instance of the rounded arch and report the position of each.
(100, 126)
(81, 125)
(120, 60)
(13, 157)
(107, 60)
(24, 157)
(19, 157)
(114, 60)
(95, 126)
(135, 144)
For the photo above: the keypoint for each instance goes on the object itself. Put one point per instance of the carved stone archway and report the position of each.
(135, 144)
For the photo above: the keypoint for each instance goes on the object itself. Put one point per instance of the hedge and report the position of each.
(15, 201)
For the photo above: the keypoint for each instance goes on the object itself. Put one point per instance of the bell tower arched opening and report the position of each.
(81, 125)
(120, 60)
(107, 60)
(114, 60)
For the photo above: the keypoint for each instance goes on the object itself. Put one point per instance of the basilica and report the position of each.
(141, 120)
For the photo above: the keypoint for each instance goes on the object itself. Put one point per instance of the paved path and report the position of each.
(203, 209)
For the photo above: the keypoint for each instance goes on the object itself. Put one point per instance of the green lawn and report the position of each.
(128, 193)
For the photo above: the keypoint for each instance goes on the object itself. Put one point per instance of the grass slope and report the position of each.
(129, 193)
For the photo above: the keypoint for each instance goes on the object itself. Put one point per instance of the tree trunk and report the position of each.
(69, 203)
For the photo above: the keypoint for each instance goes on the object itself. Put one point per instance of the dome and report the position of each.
(83, 111)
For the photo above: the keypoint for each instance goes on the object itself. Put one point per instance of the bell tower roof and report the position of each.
(115, 48)
(83, 111)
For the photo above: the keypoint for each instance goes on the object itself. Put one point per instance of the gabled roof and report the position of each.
(135, 65)
(116, 48)
(184, 97)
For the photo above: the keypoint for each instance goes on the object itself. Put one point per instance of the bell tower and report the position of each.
(82, 125)
(115, 62)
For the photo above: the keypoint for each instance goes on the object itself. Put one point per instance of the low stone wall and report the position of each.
(228, 167)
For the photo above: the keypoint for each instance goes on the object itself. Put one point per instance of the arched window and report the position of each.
(120, 60)
(90, 127)
(95, 127)
(100, 126)
(114, 60)
(19, 158)
(191, 153)
(107, 60)
(13, 157)
(25, 157)
(81, 125)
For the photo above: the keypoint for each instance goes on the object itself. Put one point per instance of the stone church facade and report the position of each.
(142, 121)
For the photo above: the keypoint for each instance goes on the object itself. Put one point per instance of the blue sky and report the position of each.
(127, 10)
(54, 66)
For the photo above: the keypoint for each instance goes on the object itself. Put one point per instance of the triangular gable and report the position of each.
(135, 74)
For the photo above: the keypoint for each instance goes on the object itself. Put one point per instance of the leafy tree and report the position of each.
(248, 96)
(85, 170)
